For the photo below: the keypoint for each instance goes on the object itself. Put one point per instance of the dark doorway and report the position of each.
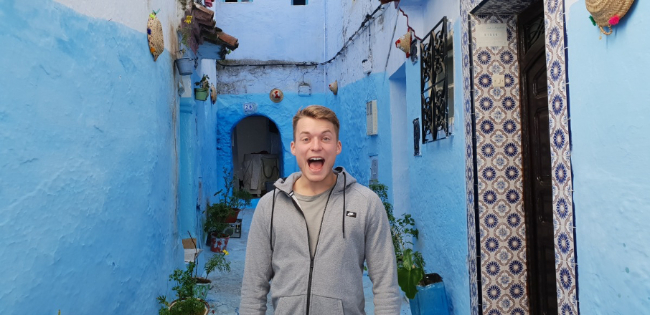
(538, 197)
(256, 154)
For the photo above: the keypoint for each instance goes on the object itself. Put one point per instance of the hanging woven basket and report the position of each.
(607, 13)
(155, 36)
(404, 43)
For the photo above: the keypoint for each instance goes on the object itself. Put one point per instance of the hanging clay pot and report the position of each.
(276, 95)
(185, 65)
(201, 94)
(334, 87)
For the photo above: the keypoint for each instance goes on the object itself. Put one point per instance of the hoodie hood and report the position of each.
(342, 184)
(345, 181)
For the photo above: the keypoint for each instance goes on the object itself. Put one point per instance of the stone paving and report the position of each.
(224, 296)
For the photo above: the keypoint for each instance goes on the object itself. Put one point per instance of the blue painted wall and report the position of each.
(88, 151)
(431, 187)
(609, 129)
(359, 148)
(437, 185)
(231, 111)
(436, 179)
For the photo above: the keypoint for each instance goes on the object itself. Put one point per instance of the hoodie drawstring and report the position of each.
(272, 211)
(345, 183)
(344, 186)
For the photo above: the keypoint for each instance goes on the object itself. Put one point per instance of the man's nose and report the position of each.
(316, 145)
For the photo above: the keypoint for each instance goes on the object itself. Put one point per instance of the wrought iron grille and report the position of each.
(416, 136)
(433, 71)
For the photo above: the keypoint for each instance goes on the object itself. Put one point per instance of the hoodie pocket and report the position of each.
(290, 305)
(322, 305)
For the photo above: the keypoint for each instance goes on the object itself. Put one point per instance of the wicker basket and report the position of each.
(606, 13)
(155, 36)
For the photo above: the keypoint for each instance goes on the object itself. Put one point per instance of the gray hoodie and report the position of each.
(354, 228)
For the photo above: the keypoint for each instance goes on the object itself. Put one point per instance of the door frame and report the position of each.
(564, 223)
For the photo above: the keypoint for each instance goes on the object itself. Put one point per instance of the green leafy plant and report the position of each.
(231, 199)
(203, 83)
(410, 264)
(217, 262)
(185, 30)
(186, 302)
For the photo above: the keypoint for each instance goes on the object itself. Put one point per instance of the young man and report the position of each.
(310, 237)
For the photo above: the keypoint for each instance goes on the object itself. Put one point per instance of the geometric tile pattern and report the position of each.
(499, 168)
(563, 217)
(469, 161)
(502, 235)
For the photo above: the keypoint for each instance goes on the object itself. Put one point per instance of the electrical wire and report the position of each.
(409, 28)
(368, 18)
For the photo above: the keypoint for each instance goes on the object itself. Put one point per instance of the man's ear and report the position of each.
(293, 148)
(339, 147)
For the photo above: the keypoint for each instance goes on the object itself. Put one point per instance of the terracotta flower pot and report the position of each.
(232, 218)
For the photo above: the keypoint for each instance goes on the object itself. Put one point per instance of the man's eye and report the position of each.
(327, 139)
(304, 139)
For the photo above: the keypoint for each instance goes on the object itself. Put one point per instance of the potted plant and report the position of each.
(201, 92)
(186, 302)
(423, 290)
(220, 215)
(186, 65)
(431, 297)
(216, 262)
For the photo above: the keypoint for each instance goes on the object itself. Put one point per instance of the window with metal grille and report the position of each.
(437, 83)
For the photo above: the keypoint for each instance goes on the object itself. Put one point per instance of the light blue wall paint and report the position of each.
(399, 131)
(611, 178)
(437, 185)
(230, 112)
(206, 162)
(188, 169)
(358, 148)
(88, 123)
(285, 31)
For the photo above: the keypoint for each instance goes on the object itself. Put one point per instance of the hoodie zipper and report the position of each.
(311, 258)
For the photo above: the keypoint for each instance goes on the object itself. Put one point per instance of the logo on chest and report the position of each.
(350, 214)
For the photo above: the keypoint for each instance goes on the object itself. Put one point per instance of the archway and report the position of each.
(256, 154)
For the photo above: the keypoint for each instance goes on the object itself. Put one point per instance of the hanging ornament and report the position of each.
(334, 87)
(404, 44)
(607, 13)
(276, 95)
(213, 93)
(155, 36)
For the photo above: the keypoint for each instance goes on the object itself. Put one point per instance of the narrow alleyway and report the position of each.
(224, 297)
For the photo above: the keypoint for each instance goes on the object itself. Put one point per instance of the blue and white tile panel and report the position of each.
(563, 220)
(499, 167)
(469, 163)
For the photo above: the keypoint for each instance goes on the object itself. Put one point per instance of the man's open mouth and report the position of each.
(316, 164)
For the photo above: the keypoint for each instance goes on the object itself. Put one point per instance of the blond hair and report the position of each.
(316, 112)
